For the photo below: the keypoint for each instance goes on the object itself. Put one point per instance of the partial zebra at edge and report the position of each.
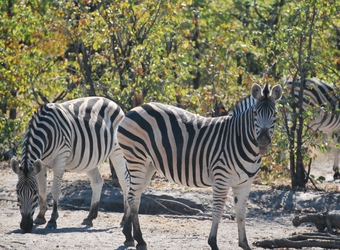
(318, 93)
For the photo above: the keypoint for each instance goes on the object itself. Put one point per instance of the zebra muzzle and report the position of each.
(26, 224)
(263, 143)
(262, 151)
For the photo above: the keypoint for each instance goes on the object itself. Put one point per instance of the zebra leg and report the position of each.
(219, 198)
(139, 181)
(41, 179)
(57, 177)
(241, 193)
(118, 161)
(336, 170)
(127, 228)
(96, 184)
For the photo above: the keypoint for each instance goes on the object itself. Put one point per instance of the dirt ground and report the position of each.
(166, 222)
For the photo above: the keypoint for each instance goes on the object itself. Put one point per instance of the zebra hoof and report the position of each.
(141, 247)
(129, 243)
(51, 225)
(87, 222)
(39, 221)
(336, 176)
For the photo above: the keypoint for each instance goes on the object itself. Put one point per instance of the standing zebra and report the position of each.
(317, 93)
(77, 135)
(195, 151)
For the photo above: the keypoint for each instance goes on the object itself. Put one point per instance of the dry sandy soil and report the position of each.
(269, 214)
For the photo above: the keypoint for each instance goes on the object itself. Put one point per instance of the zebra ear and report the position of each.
(15, 165)
(276, 92)
(37, 166)
(256, 91)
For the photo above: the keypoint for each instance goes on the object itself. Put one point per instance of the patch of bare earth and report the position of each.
(172, 217)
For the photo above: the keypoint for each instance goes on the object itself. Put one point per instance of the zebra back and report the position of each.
(316, 93)
(82, 132)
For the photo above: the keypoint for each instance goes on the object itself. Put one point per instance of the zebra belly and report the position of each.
(231, 177)
(75, 163)
(188, 182)
(85, 165)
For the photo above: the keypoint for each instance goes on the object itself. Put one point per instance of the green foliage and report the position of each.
(320, 179)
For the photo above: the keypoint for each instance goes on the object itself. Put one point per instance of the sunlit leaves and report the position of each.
(158, 48)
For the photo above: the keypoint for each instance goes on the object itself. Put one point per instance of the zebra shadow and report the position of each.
(77, 196)
(269, 204)
(266, 203)
(124, 248)
(70, 230)
(40, 229)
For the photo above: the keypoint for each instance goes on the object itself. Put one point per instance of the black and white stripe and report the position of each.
(325, 99)
(77, 135)
(242, 105)
(195, 151)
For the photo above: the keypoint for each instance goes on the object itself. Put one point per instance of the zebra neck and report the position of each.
(246, 135)
(33, 147)
(39, 138)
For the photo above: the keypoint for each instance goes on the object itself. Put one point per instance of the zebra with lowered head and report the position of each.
(77, 135)
(326, 99)
(195, 151)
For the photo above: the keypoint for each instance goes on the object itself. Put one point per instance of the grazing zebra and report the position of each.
(318, 93)
(77, 135)
(195, 151)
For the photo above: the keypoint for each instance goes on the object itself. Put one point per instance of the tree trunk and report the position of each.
(87, 70)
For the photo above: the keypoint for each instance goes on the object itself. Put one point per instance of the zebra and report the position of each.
(77, 136)
(195, 151)
(326, 100)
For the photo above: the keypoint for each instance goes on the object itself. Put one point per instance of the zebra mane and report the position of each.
(28, 136)
(266, 91)
(242, 105)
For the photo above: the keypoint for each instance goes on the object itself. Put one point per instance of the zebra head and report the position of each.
(27, 191)
(265, 113)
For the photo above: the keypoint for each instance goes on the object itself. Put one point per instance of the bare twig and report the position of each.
(60, 96)
(159, 202)
(197, 217)
(308, 175)
(297, 242)
(323, 240)
(185, 207)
